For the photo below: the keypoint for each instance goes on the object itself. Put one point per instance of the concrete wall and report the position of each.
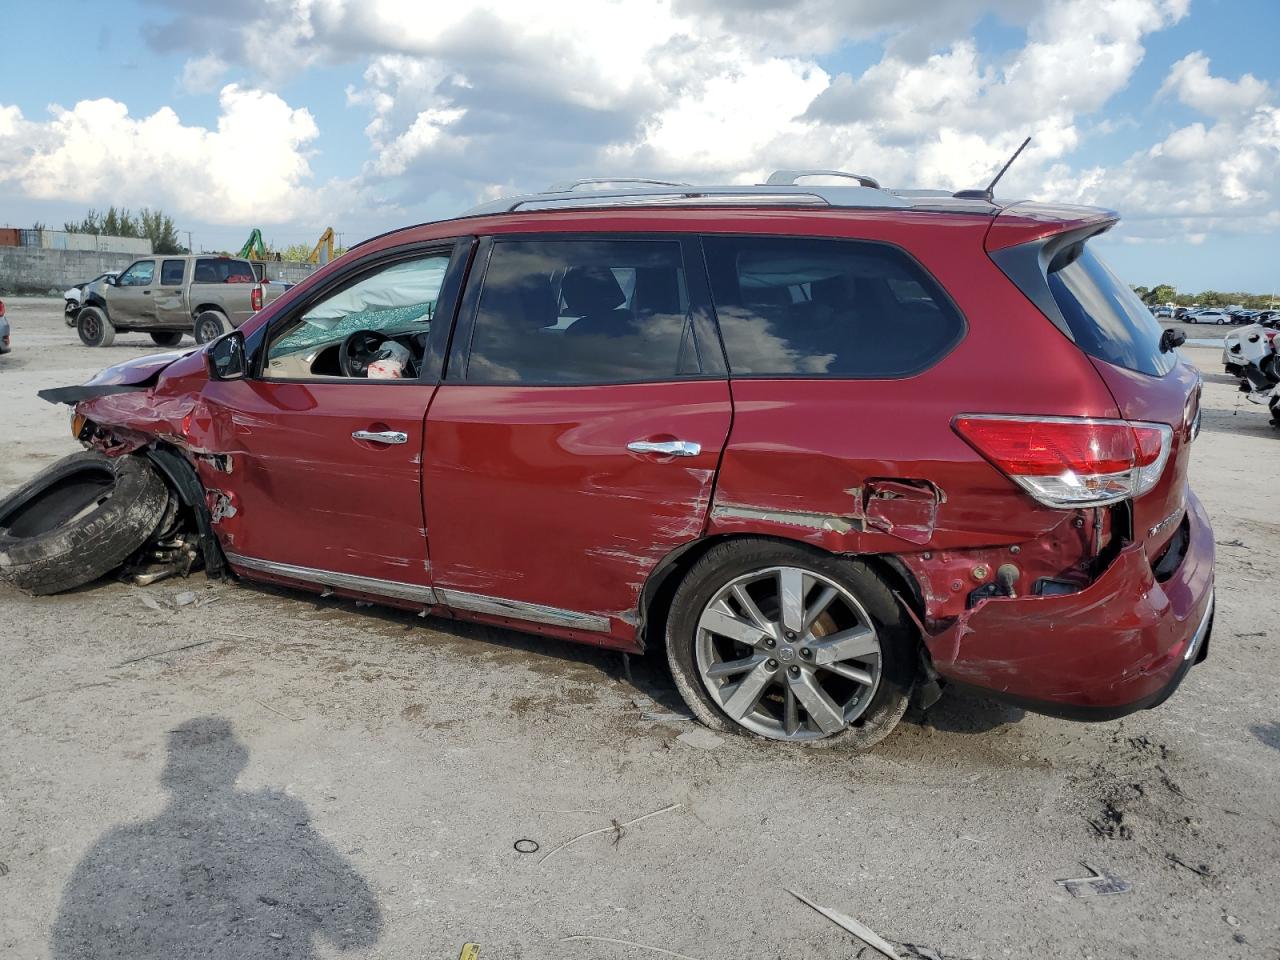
(60, 240)
(41, 270)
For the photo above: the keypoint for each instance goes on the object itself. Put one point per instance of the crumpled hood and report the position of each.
(138, 370)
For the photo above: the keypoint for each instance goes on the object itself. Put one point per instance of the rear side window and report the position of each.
(1106, 318)
(221, 270)
(792, 306)
(171, 273)
(583, 311)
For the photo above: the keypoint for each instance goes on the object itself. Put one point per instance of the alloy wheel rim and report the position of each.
(788, 653)
(91, 327)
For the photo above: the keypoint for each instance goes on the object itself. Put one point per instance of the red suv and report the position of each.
(830, 447)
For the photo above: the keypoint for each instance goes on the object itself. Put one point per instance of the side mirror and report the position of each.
(1171, 339)
(111, 281)
(226, 358)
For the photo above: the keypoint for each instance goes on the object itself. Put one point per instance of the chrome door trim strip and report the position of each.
(343, 581)
(458, 599)
(519, 610)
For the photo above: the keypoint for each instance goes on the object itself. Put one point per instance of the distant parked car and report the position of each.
(1209, 316)
(5, 345)
(1242, 316)
(73, 298)
(1163, 312)
(168, 296)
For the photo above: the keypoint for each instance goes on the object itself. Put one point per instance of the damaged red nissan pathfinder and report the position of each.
(831, 447)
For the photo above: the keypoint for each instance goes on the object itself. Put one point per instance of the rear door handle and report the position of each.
(381, 436)
(669, 448)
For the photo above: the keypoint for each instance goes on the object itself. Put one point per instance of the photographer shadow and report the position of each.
(220, 873)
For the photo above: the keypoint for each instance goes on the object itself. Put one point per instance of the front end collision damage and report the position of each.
(152, 407)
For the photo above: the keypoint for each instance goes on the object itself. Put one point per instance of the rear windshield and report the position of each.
(1106, 318)
(219, 270)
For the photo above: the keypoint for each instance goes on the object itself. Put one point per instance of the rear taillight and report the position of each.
(255, 297)
(1, 308)
(1072, 461)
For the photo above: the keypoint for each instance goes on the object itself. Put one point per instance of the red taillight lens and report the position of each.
(255, 298)
(1, 308)
(1072, 462)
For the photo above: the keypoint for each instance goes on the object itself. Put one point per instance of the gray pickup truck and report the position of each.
(168, 296)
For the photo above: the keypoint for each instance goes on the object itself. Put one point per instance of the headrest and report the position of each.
(591, 290)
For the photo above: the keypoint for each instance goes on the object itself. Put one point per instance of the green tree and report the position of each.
(1161, 293)
(155, 225)
(1142, 292)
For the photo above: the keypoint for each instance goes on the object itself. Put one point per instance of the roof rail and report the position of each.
(789, 177)
(571, 185)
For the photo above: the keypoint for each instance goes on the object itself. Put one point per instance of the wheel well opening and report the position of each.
(655, 598)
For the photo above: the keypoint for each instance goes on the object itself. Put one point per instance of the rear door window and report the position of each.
(800, 307)
(171, 273)
(583, 311)
(1106, 318)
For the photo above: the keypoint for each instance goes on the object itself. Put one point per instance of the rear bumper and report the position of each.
(1122, 644)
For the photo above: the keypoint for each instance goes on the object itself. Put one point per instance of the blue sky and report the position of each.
(468, 109)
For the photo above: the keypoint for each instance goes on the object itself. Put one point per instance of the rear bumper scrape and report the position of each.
(1121, 644)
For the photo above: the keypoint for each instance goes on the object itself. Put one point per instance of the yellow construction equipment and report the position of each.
(322, 252)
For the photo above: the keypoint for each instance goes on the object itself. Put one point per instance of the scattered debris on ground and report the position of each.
(1100, 884)
(858, 929)
(615, 827)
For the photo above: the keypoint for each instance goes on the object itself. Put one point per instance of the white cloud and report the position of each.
(203, 74)
(462, 102)
(252, 168)
(1217, 177)
(1190, 82)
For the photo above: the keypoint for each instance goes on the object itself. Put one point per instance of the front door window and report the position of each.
(139, 274)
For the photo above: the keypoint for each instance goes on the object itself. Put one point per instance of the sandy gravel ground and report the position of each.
(309, 779)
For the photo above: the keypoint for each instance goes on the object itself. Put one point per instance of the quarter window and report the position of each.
(791, 306)
(583, 311)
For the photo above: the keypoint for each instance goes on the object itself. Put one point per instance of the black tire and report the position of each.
(723, 563)
(166, 338)
(210, 325)
(94, 328)
(78, 520)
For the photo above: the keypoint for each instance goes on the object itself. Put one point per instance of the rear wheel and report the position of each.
(167, 338)
(210, 325)
(94, 328)
(78, 520)
(789, 643)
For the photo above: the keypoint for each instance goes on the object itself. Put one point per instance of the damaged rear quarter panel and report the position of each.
(874, 467)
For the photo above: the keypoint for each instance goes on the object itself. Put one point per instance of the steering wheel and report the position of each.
(358, 351)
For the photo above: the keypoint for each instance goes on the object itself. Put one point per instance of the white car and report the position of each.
(1208, 316)
(73, 298)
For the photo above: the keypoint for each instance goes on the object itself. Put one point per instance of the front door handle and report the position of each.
(381, 436)
(669, 448)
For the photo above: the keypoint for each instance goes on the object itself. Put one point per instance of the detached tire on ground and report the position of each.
(210, 325)
(78, 520)
(94, 328)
